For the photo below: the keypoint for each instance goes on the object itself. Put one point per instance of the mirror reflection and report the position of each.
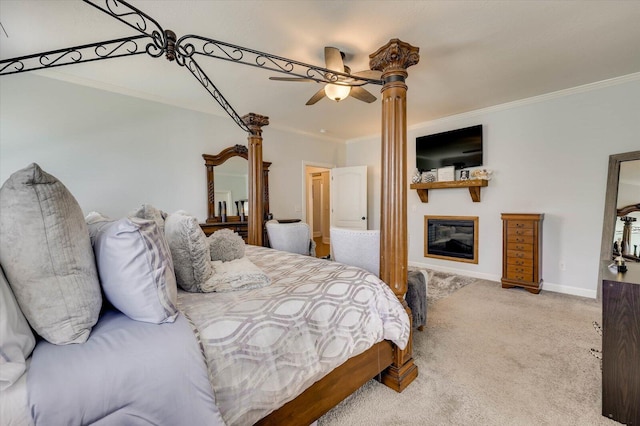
(232, 187)
(627, 229)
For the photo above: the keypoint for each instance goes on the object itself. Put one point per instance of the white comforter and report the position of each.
(265, 346)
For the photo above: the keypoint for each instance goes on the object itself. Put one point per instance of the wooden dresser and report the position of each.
(621, 344)
(522, 251)
(241, 227)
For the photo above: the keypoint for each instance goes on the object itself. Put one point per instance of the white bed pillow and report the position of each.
(47, 256)
(189, 250)
(16, 338)
(135, 268)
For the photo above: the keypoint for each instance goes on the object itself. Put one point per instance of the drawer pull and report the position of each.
(519, 225)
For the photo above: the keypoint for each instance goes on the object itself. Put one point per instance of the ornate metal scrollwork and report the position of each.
(73, 55)
(206, 82)
(159, 41)
(136, 19)
(190, 45)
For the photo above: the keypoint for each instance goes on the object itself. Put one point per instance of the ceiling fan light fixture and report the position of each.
(337, 92)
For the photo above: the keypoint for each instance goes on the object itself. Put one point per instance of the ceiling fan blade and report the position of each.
(374, 75)
(306, 80)
(333, 59)
(315, 98)
(362, 94)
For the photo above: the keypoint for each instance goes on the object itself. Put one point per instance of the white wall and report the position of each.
(549, 155)
(115, 152)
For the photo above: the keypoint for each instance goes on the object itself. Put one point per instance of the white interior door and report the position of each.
(349, 197)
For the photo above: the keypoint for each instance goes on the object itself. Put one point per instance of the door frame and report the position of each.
(304, 183)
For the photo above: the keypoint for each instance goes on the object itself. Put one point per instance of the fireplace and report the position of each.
(451, 238)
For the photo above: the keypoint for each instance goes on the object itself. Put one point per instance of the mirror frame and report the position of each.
(211, 161)
(611, 208)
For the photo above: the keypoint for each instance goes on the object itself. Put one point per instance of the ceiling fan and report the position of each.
(343, 86)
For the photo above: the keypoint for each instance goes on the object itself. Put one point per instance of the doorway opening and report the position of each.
(318, 208)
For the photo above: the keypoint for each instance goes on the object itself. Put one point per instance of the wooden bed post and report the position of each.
(255, 123)
(393, 59)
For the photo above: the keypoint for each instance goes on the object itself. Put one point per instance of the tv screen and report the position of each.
(460, 148)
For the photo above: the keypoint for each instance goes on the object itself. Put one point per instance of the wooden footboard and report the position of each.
(333, 388)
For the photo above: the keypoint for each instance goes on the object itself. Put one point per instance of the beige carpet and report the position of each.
(493, 356)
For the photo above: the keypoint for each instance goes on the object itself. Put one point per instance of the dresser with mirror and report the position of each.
(227, 186)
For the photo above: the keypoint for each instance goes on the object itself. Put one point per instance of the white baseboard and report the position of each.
(565, 289)
(546, 286)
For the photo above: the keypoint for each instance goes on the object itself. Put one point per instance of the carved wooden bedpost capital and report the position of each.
(393, 59)
(255, 123)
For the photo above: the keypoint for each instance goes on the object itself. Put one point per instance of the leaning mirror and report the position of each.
(628, 162)
(627, 231)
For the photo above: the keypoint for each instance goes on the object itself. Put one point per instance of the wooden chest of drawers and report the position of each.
(522, 250)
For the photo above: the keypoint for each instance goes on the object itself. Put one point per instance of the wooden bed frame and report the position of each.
(392, 366)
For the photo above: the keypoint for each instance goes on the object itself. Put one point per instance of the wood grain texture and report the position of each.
(621, 346)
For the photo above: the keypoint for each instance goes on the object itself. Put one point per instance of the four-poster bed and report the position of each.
(393, 366)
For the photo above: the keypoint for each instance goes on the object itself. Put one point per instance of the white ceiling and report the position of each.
(473, 54)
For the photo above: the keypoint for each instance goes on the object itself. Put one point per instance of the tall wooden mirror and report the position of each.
(228, 159)
(613, 203)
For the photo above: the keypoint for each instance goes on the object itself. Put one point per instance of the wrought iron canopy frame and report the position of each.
(155, 41)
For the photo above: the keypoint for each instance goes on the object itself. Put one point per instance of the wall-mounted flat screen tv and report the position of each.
(460, 148)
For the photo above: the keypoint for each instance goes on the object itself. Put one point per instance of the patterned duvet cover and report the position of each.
(265, 346)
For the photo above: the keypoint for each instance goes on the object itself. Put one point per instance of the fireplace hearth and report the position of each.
(451, 238)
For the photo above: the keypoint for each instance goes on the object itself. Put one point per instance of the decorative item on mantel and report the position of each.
(428, 176)
(417, 176)
(481, 174)
(446, 174)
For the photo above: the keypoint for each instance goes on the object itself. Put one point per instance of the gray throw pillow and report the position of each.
(189, 250)
(147, 211)
(16, 338)
(135, 268)
(47, 256)
(226, 245)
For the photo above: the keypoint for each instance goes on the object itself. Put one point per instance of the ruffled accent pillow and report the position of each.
(135, 267)
(226, 245)
(189, 250)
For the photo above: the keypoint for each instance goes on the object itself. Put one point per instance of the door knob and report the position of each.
(363, 218)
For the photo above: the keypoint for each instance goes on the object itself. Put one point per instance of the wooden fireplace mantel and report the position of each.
(474, 186)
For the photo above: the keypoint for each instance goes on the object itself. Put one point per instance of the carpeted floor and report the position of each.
(492, 356)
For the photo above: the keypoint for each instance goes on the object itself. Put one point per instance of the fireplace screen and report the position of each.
(451, 238)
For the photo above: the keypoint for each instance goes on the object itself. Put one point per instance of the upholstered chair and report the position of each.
(291, 237)
(356, 247)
